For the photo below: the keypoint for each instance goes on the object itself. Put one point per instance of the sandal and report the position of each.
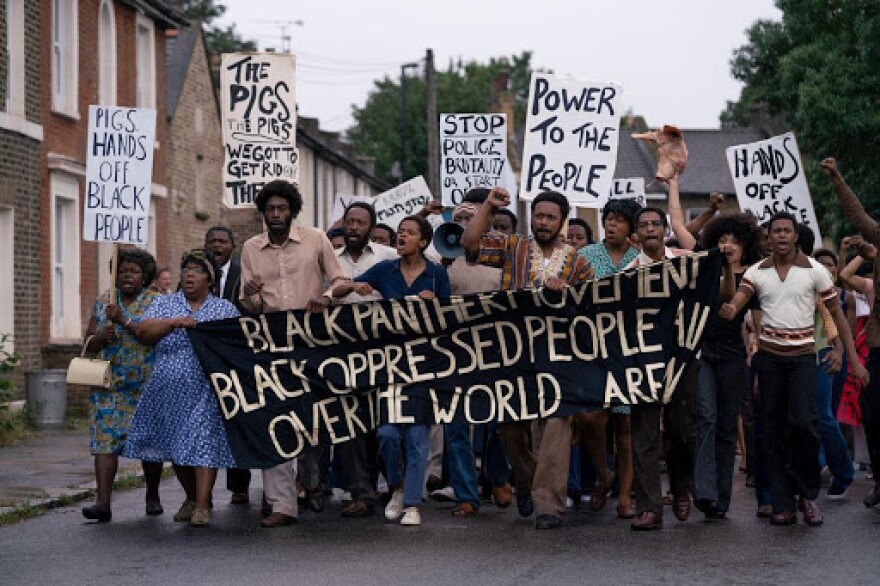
(464, 510)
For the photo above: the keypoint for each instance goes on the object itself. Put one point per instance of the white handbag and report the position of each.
(92, 372)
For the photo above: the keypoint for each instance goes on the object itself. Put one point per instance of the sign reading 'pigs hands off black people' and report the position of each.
(473, 151)
(258, 101)
(769, 177)
(285, 379)
(119, 172)
(572, 131)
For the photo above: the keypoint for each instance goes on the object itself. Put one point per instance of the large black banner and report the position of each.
(286, 379)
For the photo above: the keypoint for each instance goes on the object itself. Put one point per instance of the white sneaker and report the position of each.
(394, 508)
(444, 495)
(411, 516)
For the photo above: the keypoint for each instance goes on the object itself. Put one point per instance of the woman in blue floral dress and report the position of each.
(178, 418)
(111, 332)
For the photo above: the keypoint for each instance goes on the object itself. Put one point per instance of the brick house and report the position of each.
(21, 135)
(195, 152)
(108, 52)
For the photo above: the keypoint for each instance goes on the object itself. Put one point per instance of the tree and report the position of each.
(817, 71)
(219, 39)
(463, 87)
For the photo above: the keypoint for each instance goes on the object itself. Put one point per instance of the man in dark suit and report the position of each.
(220, 241)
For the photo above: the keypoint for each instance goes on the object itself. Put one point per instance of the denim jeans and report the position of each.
(496, 468)
(759, 455)
(834, 445)
(417, 449)
(788, 390)
(719, 393)
(460, 460)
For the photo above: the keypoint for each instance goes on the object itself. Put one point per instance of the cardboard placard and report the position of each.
(473, 153)
(119, 171)
(572, 132)
(769, 177)
(258, 117)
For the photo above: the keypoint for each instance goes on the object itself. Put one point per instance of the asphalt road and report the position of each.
(496, 547)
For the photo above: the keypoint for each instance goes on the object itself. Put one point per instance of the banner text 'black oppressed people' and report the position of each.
(285, 380)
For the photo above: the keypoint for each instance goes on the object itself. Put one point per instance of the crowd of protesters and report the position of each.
(788, 369)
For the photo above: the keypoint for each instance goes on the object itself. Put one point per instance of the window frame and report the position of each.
(65, 59)
(66, 327)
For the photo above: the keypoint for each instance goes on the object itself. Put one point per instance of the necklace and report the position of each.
(541, 270)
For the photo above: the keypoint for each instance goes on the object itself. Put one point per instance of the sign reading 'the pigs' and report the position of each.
(119, 170)
(769, 177)
(258, 117)
(572, 131)
(473, 149)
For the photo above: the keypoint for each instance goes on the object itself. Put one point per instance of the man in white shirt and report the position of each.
(358, 255)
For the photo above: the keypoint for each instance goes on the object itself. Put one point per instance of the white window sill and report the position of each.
(70, 115)
(21, 126)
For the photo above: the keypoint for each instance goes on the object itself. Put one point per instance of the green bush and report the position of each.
(13, 426)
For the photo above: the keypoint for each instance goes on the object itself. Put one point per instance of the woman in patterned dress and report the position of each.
(178, 418)
(111, 332)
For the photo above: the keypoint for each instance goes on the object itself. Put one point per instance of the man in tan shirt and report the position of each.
(284, 268)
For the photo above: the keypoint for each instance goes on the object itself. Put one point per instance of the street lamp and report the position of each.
(403, 69)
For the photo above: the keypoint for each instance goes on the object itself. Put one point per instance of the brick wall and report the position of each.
(191, 141)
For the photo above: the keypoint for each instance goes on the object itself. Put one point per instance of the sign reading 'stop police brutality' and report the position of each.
(572, 131)
(769, 177)
(258, 101)
(119, 170)
(473, 150)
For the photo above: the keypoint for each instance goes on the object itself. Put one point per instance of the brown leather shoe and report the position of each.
(681, 507)
(357, 508)
(464, 510)
(812, 515)
(277, 520)
(626, 510)
(239, 498)
(502, 495)
(648, 521)
(599, 497)
(783, 518)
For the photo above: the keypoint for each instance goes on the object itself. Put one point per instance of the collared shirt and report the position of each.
(387, 278)
(788, 307)
(371, 255)
(601, 261)
(291, 274)
(644, 260)
(224, 272)
(513, 255)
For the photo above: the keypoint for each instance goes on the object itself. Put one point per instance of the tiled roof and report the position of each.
(707, 168)
(178, 53)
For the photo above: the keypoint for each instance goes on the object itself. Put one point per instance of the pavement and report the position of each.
(50, 467)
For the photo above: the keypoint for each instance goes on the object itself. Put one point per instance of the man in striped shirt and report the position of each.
(787, 284)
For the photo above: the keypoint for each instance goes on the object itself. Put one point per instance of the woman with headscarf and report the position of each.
(178, 418)
(111, 332)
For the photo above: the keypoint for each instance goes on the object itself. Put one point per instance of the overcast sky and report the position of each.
(672, 57)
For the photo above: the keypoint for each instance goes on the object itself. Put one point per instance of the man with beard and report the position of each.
(221, 242)
(679, 416)
(285, 268)
(358, 255)
(537, 261)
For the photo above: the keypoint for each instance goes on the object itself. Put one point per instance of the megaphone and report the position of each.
(447, 240)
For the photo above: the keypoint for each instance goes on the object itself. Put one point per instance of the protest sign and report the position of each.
(119, 171)
(629, 188)
(769, 177)
(473, 152)
(406, 199)
(285, 379)
(572, 131)
(343, 201)
(258, 101)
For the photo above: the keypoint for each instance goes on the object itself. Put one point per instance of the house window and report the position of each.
(107, 54)
(146, 64)
(64, 228)
(15, 58)
(7, 273)
(199, 184)
(65, 46)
